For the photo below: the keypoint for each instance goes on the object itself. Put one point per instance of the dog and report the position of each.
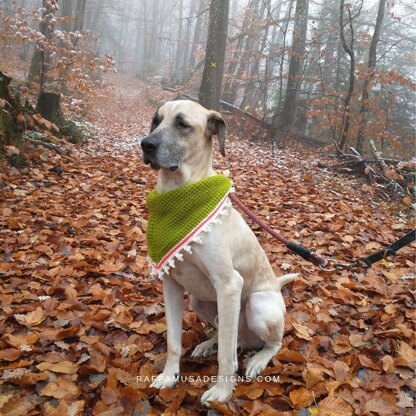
(231, 283)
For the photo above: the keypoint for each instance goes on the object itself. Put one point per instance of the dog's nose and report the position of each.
(149, 145)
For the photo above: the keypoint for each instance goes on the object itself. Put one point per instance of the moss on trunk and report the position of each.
(10, 130)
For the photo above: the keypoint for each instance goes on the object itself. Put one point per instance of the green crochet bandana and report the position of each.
(178, 216)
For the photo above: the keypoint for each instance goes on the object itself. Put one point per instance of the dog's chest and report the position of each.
(190, 277)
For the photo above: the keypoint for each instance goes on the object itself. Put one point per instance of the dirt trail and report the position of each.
(80, 318)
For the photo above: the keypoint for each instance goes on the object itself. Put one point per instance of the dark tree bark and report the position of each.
(287, 115)
(372, 60)
(349, 49)
(210, 89)
(49, 106)
(10, 129)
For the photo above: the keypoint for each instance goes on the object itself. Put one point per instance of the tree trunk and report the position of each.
(253, 92)
(94, 16)
(186, 45)
(155, 30)
(49, 106)
(67, 12)
(146, 40)
(124, 24)
(372, 60)
(79, 15)
(350, 51)
(331, 41)
(287, 116)
(271, 57)
(245, 57)
(41, 56)
(139, 41)
(237, 64)
(179, 47)
(10, 130)
(210, 89)
(197, 35)
(281, 39)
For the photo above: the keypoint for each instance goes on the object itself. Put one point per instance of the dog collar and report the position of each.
(178, 217)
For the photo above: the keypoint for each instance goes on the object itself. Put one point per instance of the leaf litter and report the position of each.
(82, 323)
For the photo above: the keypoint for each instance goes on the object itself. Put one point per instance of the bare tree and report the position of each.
(238, 61)
(210, 89)
(199, 33)
(297, 56)
(349, 49)
(372, 60)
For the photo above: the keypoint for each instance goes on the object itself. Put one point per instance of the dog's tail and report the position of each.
(287, 278)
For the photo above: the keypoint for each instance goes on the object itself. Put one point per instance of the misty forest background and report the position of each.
(328, 71)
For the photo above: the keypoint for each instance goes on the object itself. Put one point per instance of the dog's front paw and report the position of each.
(221, 392)
(165, 381)
(205, 349)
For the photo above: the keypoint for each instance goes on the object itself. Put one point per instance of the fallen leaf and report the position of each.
(301, 397)
(60, 388)
(290, 356)
(379, 406)
(65, 367)
(32, 318)
(313, 376)
(10, 354)
(334, 406)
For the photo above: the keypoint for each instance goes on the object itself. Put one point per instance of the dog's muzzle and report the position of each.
(150, 145)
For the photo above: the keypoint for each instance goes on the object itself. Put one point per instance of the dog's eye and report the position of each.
(182, 124)
(155, 122)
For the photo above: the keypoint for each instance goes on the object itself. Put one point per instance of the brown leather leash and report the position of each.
(318, 260)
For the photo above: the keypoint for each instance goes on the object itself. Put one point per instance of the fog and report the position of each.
(164, 42)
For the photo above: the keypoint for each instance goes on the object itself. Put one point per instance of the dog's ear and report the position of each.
(216, 125)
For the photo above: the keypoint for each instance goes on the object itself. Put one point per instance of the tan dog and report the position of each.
(230, 279)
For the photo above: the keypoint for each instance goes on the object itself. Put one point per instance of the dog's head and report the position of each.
(181, 133)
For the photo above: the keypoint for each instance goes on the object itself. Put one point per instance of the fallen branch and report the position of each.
(368, 170)
(392, 174)
(50, 146)
(377, 155)
(389, 173)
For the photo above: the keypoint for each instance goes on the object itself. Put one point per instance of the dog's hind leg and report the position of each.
(207, 311)
(265, 317)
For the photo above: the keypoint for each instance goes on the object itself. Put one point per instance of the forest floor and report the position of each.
(81, 319)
